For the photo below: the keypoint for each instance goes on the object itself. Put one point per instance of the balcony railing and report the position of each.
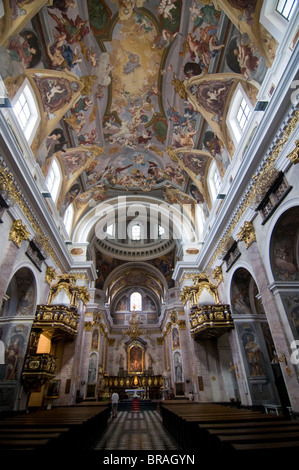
(210, 321)
(57, 321)
(38, 370)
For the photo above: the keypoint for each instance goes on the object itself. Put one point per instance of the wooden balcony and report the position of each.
(57, 322)
(38, 370)
(210, 321)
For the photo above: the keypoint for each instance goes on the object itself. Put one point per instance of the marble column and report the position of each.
(276, 324)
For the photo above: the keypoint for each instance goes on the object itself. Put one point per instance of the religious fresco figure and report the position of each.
(135, 359)
(254, 356)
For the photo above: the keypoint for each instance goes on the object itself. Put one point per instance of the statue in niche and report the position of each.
(150, 362)
(178, 367)
(121, 361)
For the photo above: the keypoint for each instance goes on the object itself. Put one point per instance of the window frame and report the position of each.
(131, 303)
(54, 169)
(212, 184)
(232, 122)
(32, 123)
(69, 218)
(291, 11)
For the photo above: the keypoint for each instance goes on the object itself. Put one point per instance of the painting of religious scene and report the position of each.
(15, 347)
(94, 346)
(253, 353)
(284, 256)
(178, 367)
(291, 305)
(92, 368)
(240, 299)
(135, 359)
(175, 336)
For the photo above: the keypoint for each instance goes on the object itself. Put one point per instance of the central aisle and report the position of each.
(142, 430)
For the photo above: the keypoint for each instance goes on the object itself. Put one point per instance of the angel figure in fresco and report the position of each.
(206, 14)
(62, 5)
(74, 30)
(248, 62)
(61, 54)
(24, 48)
(164, 39)
(88, 138)
(185, 139)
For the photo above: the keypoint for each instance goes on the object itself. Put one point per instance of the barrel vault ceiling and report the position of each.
(133, 94)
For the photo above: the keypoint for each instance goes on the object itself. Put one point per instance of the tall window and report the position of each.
(286, 8)
(68, 218)
(239, 113)
(53, 180)
(135, 302)
(214, 181)
(243, 114)
(26, 110)
(136, 232)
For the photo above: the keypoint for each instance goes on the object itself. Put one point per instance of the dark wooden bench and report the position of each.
(185, 422)
(55, 428)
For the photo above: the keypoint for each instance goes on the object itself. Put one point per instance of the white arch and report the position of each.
(107, 210)
(238, 265)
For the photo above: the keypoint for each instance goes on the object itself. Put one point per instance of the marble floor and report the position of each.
(142, 430)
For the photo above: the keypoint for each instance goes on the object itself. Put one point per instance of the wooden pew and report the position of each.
(56, 428)
(184, 422)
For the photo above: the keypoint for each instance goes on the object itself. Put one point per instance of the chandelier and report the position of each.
(134, 330)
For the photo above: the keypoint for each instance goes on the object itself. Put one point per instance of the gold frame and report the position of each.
(179, 339)
(95, 348)
(130, 371)
(53, 382)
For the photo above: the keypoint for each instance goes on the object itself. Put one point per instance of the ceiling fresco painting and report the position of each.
(133, 97)
(148, 83)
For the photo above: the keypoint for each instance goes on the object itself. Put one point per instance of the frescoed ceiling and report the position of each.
(133, 94)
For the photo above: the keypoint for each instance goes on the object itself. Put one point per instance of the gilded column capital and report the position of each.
(18, 232)
(50, 274)
(218, 274)
(247, 234)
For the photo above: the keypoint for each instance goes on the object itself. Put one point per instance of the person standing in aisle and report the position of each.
(114, 401)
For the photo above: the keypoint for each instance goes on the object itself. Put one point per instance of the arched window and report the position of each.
(135, 302)
(136, 232)
(68, 218)
(26, 110)
(53, 180)
(214, 181)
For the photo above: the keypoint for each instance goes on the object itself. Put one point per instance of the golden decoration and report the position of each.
(67, 282)
(251, 196)
(9, 185)
(182, 324)
(50, 274)
(193, 293)
(18, 232)
(134, 331)
(179, 87)
(218, 274)
(210, 321)
(247, 234)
